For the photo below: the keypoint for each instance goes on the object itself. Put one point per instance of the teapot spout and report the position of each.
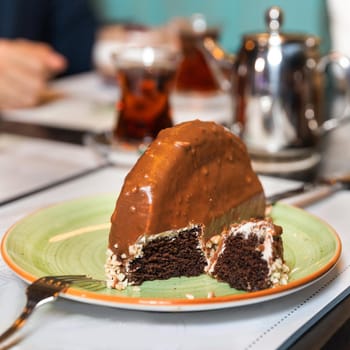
(223, 62)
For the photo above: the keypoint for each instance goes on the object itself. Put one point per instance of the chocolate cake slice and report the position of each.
(194, 180)
(249, 256)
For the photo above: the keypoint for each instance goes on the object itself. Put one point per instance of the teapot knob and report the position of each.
(274, 18)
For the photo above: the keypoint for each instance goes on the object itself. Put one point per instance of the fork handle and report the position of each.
(22, 318)
(20, 321)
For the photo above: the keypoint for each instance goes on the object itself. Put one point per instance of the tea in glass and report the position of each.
(195, 72)
(145, 76)
(201, 87)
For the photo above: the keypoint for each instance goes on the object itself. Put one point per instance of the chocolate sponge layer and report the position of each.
(242, 266)
(166, 257)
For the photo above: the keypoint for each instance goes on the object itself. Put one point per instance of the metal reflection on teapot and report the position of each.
(278, 87)
(279, 91)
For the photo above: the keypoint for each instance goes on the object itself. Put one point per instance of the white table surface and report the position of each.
(28, 164)
(73, 325)
(86, 102)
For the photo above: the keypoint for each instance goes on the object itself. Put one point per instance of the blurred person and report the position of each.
(40, 39)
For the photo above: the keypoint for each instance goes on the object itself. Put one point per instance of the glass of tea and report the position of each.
(202, 89)
(145, 75)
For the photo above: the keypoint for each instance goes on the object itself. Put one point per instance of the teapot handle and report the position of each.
(335, 121)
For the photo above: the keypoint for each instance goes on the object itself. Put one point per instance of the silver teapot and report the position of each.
(279, 90)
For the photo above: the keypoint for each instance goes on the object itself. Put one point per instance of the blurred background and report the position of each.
(89, 46)
(233, 17)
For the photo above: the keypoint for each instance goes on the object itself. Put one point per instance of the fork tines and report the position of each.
(83, 281)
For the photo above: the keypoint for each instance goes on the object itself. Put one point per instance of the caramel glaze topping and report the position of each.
(193, 173)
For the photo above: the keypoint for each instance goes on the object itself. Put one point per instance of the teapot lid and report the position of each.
(274, 21)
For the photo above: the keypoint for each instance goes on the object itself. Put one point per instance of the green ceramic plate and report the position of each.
(71, 238)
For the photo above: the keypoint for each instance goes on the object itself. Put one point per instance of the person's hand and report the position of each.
(25, 68)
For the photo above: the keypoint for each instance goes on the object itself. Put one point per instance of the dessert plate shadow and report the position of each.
(71, 238)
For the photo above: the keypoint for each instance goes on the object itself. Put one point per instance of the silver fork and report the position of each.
(46, 289)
